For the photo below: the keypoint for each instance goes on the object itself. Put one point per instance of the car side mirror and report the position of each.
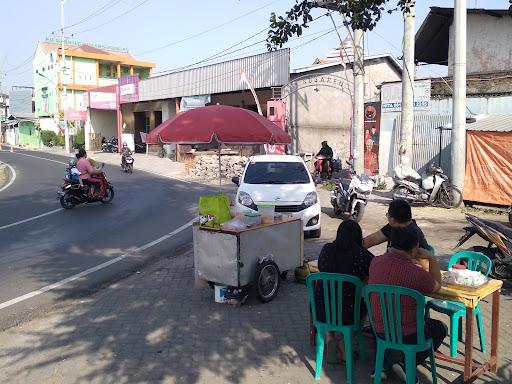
(236, 180)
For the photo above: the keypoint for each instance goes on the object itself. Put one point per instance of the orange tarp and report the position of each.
(489, 167)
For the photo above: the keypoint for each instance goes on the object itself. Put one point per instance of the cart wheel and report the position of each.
(266, 280)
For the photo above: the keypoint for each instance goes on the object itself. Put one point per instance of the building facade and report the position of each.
(87, 66)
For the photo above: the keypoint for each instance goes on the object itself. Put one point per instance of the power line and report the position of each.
(208, 30)
(115, 18)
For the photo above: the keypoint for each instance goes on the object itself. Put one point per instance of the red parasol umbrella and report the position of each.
(220, 123)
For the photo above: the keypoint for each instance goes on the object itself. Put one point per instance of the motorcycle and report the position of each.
(110, 145)
(72, 193)
(127, 166)
(350, 196)
(434, 189)
(499, 244)
(320, 172)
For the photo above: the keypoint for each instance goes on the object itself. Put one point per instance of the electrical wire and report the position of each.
(113, 19)
(207, 30)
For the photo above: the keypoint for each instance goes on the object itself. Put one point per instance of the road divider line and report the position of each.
(39, 157)
(13, 177)
(104, 265)
(31, 218)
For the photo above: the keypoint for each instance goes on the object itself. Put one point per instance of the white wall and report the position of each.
(85, 72)
(49, 124)
(103, 122)
(489, 44)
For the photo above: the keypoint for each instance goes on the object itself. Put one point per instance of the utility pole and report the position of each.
(459, 95)
(358, 118)
(64, 94)
(407, 126)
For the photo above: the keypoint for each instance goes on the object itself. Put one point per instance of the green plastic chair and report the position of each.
(476, 261)
(333, 285)
(390, 300)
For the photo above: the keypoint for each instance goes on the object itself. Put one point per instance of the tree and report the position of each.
(360, 14)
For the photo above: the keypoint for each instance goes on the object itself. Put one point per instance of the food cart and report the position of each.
(255, 257)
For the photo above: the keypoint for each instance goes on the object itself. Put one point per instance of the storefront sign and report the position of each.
(371, 138)
(102, 100)
(129, 89)
(391, 96)
(191, 102)
(76, 115)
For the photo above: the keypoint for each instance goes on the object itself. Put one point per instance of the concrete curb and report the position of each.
(7, 176)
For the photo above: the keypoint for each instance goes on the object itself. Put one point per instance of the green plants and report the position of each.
(329, 185)
(60, 141)
(80, 139)
(381, 186)
(49, 138)
(162, 152)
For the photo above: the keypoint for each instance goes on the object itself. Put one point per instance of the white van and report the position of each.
(284, 182)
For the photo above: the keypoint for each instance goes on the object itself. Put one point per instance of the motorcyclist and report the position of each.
(125, 152)
(326, 152)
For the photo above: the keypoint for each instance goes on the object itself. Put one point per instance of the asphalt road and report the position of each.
(48, 249)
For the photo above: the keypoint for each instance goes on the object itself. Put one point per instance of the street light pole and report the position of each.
(407, 124)
(358, 119)
(458, 151)
(64, 94)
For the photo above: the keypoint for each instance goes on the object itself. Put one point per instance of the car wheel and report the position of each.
(316, 233)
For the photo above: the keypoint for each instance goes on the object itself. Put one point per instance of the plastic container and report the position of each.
(267, 213)
(220, 290)
(251, 219)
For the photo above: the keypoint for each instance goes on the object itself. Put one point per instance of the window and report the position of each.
(51, 57)
(147, 123)
(276, 173)
(272, 111)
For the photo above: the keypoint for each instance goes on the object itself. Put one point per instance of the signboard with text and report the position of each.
(103, 100)
(391, 96)
(76, 115)
(129, 89)
(191, 102)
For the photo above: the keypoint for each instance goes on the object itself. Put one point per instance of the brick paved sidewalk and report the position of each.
(153, 327)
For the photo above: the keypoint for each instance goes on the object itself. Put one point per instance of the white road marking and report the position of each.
(30, 219)
(93, 269)
(13, 177)
(39, 157)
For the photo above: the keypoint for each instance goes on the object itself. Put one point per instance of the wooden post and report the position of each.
(118, 70)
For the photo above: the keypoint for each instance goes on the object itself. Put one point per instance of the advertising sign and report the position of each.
(102, 100)
(191, 102)
(129, 89)
(371, 138)
(76, 115)
(391, 96)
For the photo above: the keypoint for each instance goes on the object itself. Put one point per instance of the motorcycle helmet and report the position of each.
(72, 161)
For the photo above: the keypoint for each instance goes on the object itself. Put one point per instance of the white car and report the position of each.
(284, 182)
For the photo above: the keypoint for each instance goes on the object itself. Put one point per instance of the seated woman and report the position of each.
(87, 171)
(344, 255)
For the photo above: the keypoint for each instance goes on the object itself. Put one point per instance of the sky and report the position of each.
(174, 34)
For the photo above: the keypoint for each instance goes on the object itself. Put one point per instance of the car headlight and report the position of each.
(245, 199)
(311, 199)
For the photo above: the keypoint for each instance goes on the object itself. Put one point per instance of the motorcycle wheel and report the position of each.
(109, 196)
(359, 212)
(401, 193)
(130, 168)
(501, 270)
(450, 196)
(66, 201)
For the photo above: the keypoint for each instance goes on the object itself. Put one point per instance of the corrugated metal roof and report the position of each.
(494, 123)
(385, 56)
(265, 70)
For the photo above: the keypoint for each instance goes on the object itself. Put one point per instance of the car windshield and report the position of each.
(276, 173)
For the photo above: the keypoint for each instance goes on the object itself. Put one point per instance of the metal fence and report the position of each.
(431, 142)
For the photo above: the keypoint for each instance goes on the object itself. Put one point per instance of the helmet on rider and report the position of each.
(125, 145)
(72, 161)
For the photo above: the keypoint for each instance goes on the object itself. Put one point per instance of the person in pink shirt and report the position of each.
(87, 171)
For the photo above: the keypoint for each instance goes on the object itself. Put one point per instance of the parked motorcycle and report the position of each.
(322, 172)
(499, 244)
(351, 195)
(72, 193)
(434, 189)
(110, 145)
(127, 166)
